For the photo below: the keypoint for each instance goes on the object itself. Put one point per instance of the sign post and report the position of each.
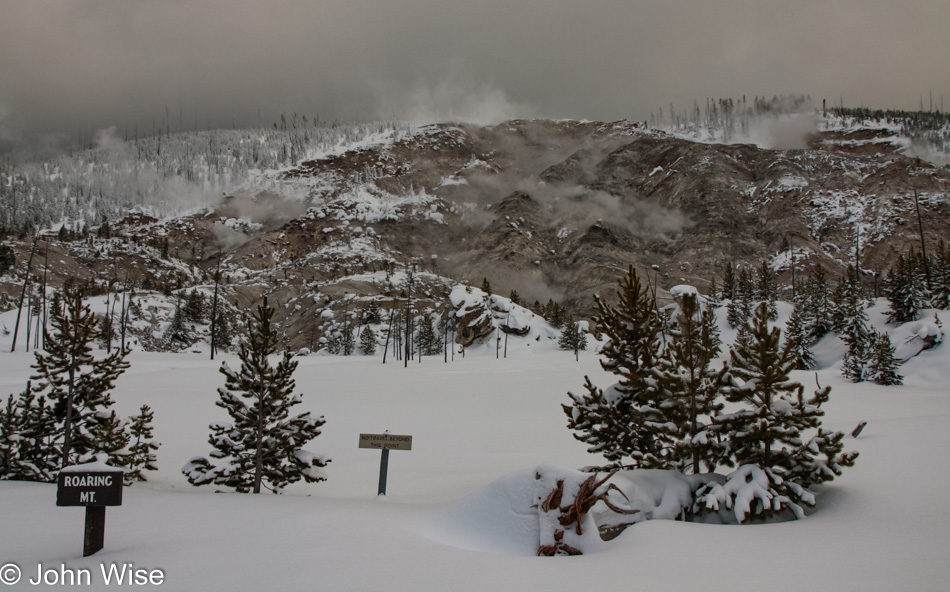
(385, 442)
(93, 485)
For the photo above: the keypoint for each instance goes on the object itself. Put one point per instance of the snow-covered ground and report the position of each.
(448, 523)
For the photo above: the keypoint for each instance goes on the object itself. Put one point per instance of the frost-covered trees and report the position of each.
(687, 391)
(766, 434)
(796, 333)
(883, 366)
(860, 341)
(27, 438)
(905, 290)
(263, 445)
(572, 337)
(612, 421)
(72, 379)
(367, 341)
(141, 452)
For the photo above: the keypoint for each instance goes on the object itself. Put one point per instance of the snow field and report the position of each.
(455, 515)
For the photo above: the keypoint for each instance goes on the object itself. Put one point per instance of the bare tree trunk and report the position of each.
(389, 331)
(214, 304)
(923, 245)
(26, 281)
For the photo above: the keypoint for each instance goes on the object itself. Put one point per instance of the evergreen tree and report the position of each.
(262, 447)
(176, 334)
(940, 277)
(367, 341)
(796, 334)
(27, 434)
(883, 366)
(904, 288)
(846, 294)
(572, 337)
(515, 297)
(767, 290)
(373, 315)
(110, 437)
(555, 314)
(776, 466)
(728, 283)
(72, 379)
(223, 330)
(688, 390)
(612, 422)
(739, 308)
(486, 287)
(860, 341)
(195, 308)
(819, 306)
(141, 456)
(426, 340)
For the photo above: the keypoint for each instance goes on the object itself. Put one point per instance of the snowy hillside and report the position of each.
(458, 513)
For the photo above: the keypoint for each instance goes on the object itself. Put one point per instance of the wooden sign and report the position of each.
(89, 488)
(94, 485)
(385, 442)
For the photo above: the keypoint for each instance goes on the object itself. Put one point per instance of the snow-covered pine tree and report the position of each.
(766, 289)
(904, 288)
(572, 337)
(611, 421)
(940, 277)
(263, 447)
(797, 335)
(847, 291)
(176, 334)
(860, 341)
(141, 456)
(367, 341)
(776, 465)
(195, 308)
(34, 457)
(688, 391)
(739, 308)
(427, 341)
(728, 283)
(110, 437)
(883, 365)
(373, 315)
(72, 379)
(819, 304)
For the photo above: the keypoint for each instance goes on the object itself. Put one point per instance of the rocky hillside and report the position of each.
(551, 209)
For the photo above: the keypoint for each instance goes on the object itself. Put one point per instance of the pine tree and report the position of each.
(426, 339)
(940, 277)
(572, 337)
(27, 435)
(819, 304)
(373, 315)
(739, 308)
(72, 379)
(176, 334)
(860, 341)
(883, 366)
(263, 445)
(110, 437)
(688, 390)
(195, 307)
(767, 290)
(904, 288)
(367, 341)
(797, 336)
(141, 456)
(776, 466)
(515, 297)
(728, 283)
(223, 330)
(612, 422)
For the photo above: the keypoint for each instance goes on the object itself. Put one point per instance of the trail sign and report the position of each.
(92, 488)
(385, 442)
(94, 485)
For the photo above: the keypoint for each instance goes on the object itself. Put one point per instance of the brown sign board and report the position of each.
(385, 442)
(93, 488)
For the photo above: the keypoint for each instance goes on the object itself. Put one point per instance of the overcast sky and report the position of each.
(68, 65)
